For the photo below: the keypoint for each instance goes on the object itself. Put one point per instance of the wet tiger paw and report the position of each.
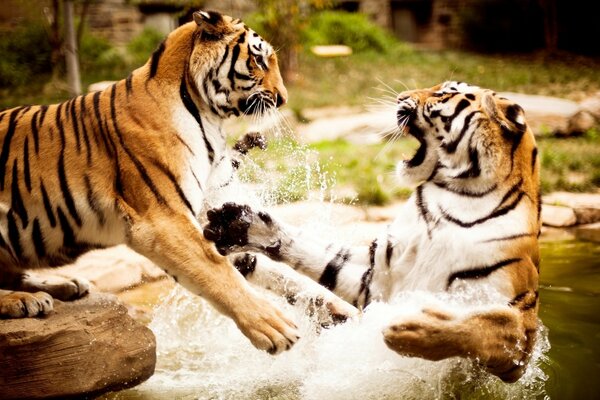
(266, 326)
(24, 304)
(236, 228)
(433, 335)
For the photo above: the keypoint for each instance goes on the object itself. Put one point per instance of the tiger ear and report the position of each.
(509, 115)
(211, 23)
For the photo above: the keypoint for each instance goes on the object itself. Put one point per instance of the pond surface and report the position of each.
(201, 355)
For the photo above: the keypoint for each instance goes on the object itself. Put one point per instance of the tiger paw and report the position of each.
(266, 326)
(23, 304)
(58, 287)
(237, 228)
(432, 335)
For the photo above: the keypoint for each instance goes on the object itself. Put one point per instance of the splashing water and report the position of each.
(202, 354)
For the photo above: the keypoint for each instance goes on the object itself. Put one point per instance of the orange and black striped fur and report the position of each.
(132, 164)
(471, 229)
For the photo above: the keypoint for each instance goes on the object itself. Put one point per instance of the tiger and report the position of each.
(471, 227)
(133, 165)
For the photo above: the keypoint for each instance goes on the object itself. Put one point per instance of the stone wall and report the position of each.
(116, 20)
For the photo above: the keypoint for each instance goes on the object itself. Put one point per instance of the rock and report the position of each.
(112, 270)
(589, 232)
(558, 216)
(84, 348)
(363, 127)
(586, 206)
(579, 123)
(592, 105)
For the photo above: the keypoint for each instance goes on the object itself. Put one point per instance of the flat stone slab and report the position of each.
(83, 349)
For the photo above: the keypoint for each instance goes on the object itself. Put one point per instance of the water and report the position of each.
(202, 355)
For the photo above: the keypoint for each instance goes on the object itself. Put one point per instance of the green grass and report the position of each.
(570, 164)
(355, 79)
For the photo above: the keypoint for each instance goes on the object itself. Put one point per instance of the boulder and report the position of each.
(82, 349)
(590, 232)
(558, 216)
(580, 123)
(585, 206)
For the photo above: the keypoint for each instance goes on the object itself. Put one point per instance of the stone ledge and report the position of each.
(83, 349)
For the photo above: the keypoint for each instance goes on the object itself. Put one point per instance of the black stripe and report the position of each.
(450, 147)
(197, 180)
(26, 169)
(388, 252)
(14, 236)
(84, 131)
(367, 277)
(68, 234)
(499, 211)
(16, 203)
(64, 187)
(533, 159)
(192, 109)
(12, 124)
(235, 53)
(514, 189)
(93, 201)
(462, 104)
(518, 298)
(479, 272)
(101, 130)
(47, 205)
(129, 84)
(139, 165)
(75, 123)
(119, 188)
(59, 124)
(38, 240)
(155, 59)
(329, 276)
(422, 205)
(466, 193)
(35, 132)
(43, 109)
(165, 170)
(510, 237)
(474, 170)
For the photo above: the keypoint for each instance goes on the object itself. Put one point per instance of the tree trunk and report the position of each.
(71, 54)
(550, 25)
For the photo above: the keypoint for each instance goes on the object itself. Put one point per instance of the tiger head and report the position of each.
(226, 65)
(468, 136)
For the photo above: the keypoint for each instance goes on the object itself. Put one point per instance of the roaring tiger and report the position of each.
(132, 165)
(471, 227)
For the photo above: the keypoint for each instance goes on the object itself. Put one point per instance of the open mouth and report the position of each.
(405, 117)
(256, 103)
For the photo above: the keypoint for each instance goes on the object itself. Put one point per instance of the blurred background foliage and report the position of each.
(509, 49)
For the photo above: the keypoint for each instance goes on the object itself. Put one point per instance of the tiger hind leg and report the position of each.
(30, 296)
(24, 304)
(500, 339)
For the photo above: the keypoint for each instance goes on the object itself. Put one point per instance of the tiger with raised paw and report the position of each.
(470, 228)
(133, 164)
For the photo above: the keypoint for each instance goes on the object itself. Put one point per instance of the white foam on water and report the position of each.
(202, 354)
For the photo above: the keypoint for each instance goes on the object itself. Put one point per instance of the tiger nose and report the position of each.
(402, 97)
(280, 99)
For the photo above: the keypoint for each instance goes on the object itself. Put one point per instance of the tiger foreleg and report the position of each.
(348, 272)
(499, 340)
(320, 303)
(175, 243)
